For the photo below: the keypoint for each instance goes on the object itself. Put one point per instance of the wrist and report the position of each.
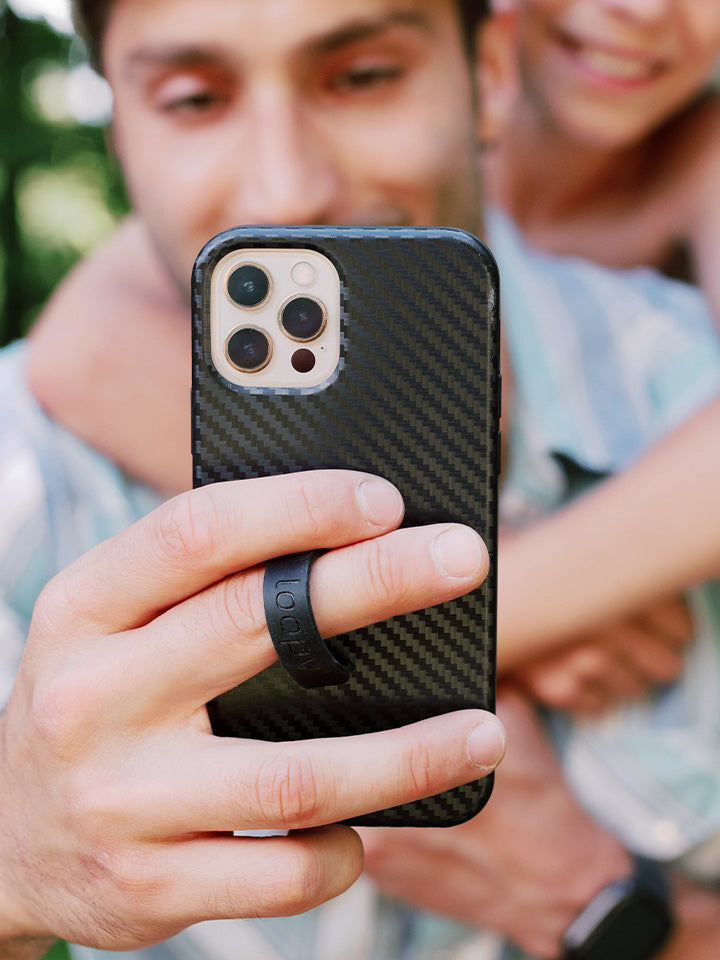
(19, 925)
(600, 863)
(630, 917)
(16, 925)
(562, 889)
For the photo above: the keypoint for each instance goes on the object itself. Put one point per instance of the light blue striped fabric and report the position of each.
(605, 363)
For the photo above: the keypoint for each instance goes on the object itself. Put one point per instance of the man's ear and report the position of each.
(496, 73)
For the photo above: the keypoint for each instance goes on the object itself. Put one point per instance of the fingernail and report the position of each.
(380, 502)
(486, 744)
(458, 552)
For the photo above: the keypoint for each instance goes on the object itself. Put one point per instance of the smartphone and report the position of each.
(373, 349)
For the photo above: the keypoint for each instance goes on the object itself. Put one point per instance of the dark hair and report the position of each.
(91, 19)
(472, 13)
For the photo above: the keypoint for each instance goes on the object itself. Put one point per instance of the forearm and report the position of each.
(704, 225)
(132, 355)
(695, 936)
(647, 534)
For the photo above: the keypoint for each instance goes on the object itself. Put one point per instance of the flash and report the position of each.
(303, 273)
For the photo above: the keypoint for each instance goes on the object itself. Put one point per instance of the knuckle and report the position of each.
(560, 700)
(545, 687)
(187, 529)
(237, 610)
(565, 693)
(100, 806)
(590, 665)
(136, 881)
(56, 604)
(290, 792)
(306, 507)
(139, 892)
(420, 769)
(303, 881)
(385, 577)
(64, 711)
(51, 599)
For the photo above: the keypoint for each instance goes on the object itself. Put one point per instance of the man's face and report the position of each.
(607, 72)
(291, 111)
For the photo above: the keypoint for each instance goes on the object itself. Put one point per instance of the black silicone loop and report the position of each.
(301, 649)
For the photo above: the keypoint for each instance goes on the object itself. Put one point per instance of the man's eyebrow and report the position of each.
(364, 29)
(174, 56)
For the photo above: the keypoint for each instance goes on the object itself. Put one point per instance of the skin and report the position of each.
(615, 95)
(567, 647)
(127, 839)
(272, 57)
(503, 892)
(482, 874)
(607, 73)
(165, 107)
(116, 671)
(313, 121)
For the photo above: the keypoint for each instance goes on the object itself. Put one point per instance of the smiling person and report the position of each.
(612, 153)
(325, 111)
(617, 100)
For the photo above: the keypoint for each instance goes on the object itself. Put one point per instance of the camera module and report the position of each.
(248, 286)
(303, 319)
(249, 349)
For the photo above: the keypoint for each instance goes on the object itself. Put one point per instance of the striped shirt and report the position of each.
(604, 363)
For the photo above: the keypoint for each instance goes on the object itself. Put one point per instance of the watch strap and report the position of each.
(630, 918)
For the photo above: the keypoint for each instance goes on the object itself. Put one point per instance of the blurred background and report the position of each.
(60, 190)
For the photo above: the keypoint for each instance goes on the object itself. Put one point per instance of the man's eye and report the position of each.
(360, 79)
(193, 103)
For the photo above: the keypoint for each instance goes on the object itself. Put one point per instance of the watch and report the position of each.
(630, 919)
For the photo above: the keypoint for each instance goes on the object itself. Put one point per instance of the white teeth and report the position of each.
(615, 66)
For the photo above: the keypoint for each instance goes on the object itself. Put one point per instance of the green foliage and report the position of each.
(60, 191)
(58, 952)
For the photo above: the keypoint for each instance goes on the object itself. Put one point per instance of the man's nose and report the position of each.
(287, 171)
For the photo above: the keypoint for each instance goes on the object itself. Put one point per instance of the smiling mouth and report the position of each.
(611, 64)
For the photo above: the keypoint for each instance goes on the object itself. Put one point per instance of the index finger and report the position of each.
(204, 535)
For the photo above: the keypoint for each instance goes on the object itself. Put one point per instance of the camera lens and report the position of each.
(248, 286)
(303, 318)
(249, 349)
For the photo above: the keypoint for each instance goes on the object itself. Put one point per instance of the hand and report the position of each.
(622, 663)
(525, 867)
(118, 803)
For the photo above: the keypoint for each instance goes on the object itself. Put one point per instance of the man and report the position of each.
(241, 110)
(116, 802)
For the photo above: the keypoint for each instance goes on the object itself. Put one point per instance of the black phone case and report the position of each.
(416, 400)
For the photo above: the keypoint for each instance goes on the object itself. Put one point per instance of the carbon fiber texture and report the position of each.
(416, 400)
